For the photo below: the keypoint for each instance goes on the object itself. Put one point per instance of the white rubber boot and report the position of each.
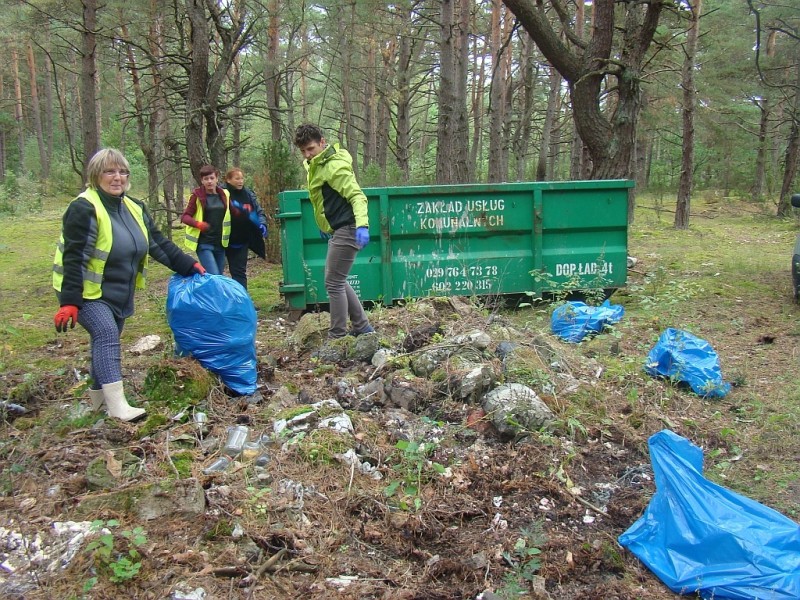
(118, 406)
(98, 399)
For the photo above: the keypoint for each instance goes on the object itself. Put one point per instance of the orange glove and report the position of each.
(66, 315)
(198, 268)
(202, 226)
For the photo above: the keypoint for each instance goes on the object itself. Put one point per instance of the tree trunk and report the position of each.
(271, 71)
(236, 121)
(36, 111)
(403, 94)
(609, 141)
(497, 105)
(144, 130)
(49, 115)
(760, 175)
(686, 182)
(88, 76)
(197, 86)
(19, 116)
(452, 149)
(792, 156)
(522, 141)
(2, 139)
(549, 120)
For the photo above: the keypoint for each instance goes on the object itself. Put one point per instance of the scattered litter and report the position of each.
(184, 591)
(145, 344)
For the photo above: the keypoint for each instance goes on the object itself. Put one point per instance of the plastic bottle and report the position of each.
(219, 465)
(237, 436)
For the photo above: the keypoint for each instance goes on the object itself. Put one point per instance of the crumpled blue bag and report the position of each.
(681, 356)
(572, 321)
(213, 320)
(699, 537)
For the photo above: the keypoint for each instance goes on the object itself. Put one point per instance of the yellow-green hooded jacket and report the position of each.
(335, 194)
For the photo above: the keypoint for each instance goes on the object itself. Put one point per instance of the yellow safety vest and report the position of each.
(192, 234)
(93, 270)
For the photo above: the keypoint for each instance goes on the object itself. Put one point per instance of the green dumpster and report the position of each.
(465, 240)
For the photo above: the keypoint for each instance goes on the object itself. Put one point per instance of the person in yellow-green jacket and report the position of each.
(208, 221)
(340, 210)
(101, 258)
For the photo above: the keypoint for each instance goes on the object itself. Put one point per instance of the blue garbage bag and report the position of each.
(681, 356)
(213, 320)
(572, 321)
(701, 538)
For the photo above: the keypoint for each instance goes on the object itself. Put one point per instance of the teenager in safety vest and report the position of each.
(101, 258)
(208, 221)
(340, 210)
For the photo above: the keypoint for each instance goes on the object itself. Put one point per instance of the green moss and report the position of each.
(320, 445)
(221, 529)
(177, 384)
(183, 464)
(438, 376)
(324, 370)
(153, 422)
(25, 423)
(292, 412)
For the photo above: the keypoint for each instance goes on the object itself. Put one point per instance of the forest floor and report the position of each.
(538, 516)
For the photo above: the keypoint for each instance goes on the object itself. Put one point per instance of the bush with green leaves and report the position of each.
(413, 469)
(115, 553)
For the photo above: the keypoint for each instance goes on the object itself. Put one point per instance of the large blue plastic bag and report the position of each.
(681, 356)
(213, 320)
(699, 537)
(572, 321)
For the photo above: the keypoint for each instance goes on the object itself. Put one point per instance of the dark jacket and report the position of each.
(244, 232)
(119, 277)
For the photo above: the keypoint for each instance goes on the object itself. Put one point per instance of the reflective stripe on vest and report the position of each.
(94, 260)
(192, 234)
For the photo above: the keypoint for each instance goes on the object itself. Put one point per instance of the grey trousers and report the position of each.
(344, 302)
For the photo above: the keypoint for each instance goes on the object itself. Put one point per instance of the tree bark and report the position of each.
(792, 157)
(452, 149)
(686, 181)
(88, 76)
(271, 71)
(19, 116)
(610, 141)
(549, 121)
(36, 111)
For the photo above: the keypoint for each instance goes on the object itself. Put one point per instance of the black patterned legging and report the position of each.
(104, 330)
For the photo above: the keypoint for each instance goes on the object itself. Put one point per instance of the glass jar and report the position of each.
(250, 450)
(219, 465)
(237, 436)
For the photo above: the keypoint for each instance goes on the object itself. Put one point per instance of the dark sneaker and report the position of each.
(367, 329)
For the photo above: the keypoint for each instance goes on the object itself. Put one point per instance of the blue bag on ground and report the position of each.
(214, 320)
(572, 321)
(681, 356)
(699, 537)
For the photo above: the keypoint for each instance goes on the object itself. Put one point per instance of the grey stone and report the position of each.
(477, 339)
(312, 329)
(514, 408)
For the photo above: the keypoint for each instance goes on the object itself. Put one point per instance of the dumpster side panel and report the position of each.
(585, 237)
(467, 240)
(461, 240)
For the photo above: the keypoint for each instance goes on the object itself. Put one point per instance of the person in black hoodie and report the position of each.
(248, 225)
(101, 258)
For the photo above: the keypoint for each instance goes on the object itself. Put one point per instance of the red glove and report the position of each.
(66, 315)
(202, 226)
(198, 268)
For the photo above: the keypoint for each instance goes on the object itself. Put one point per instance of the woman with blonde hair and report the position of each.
(101, 259)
